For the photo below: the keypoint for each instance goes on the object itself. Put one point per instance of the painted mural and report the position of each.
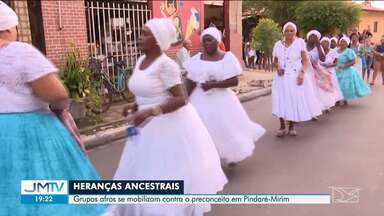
(186, 16)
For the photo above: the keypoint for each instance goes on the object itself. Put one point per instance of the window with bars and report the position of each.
(24, 28)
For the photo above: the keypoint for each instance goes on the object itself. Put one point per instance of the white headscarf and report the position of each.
(163, 30)
(289, 24)
(8, 17)
(346, 39)
(212, 31)
(325, 39)
(314, 32)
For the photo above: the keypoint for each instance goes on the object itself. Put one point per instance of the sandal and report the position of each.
(281, 133)
(315, 119)
(292, 132)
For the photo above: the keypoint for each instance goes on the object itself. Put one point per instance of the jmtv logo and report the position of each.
(44, 187)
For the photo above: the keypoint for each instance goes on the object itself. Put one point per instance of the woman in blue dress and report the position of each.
(351, 84)
(35, 145)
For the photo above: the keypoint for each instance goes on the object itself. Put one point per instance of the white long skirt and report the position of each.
(173, 146)
(335, 81)
(293, 102)
(359, 66)
(233, 133)
(326, 99)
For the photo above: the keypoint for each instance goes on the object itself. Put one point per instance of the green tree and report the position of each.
(264, 36)
(280, 11)
(326, 16)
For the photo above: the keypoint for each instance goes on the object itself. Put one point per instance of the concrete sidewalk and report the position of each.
(252, 84)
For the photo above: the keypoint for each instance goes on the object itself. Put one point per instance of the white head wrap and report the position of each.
(346, 39)
(163, 30)
(289, 24)
(212, 31)
(325, 39)
(8, 17)
(314, 32)
(334, 39)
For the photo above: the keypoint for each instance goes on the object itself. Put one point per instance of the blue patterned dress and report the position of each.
(34, 144)
(351, 84)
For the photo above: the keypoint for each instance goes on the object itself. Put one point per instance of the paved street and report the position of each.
(345, 149)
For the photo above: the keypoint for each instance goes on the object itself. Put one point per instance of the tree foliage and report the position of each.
(265, 34)
(326, 16)
(279, 11)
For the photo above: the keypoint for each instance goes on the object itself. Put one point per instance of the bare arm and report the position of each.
(176, 101)
(305, 61)
(172, 104)
(321, 52)
(191, 85)
(231, 82)
(349, 63)
(51, 90)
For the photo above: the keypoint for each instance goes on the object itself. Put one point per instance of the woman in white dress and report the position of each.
(330, 64)
(334, 41)
(322, 79)
(359, 51)
(293, 97)
(173, 143)
(210, 75)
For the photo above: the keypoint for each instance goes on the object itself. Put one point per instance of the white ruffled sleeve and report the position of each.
(232, 67)
(35, 65)
(192, 66)
(302, 45)
(169, 73)
(275, 49)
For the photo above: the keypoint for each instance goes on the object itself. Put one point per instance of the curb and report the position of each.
(113, 134)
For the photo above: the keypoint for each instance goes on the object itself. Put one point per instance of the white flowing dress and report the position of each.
(326, 99)
(289, 100)
(172, 146)
(233, 133)
(330, 59)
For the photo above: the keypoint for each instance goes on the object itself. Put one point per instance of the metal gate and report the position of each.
(113, 31)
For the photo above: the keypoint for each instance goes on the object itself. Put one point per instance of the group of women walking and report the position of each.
(312, 77)
(182, 135)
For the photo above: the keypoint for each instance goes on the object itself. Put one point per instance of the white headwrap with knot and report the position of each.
(212, 31)
(334, 39)
(289, 24)
(163, 30)
(8, 17)
(325, 39)
(346, 39)
(314, 32)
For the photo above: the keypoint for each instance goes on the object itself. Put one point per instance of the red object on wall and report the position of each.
(188, 17)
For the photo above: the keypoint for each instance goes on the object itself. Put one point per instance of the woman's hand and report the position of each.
(300, 78)
(127, 110)
(139, 117)
(207, 86)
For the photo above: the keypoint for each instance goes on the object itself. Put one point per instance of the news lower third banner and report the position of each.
(145, 192)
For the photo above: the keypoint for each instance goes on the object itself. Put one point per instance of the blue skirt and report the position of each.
(38, 146)
(351, 84)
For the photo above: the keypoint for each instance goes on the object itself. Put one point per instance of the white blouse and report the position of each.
(331, 56)
(201, 71)
(20, 64)
(289, 57)
(151, 85)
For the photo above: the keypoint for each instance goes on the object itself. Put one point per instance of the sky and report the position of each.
(378, 4)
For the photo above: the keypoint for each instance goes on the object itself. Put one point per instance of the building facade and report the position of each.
(111, 28)
(372, 19)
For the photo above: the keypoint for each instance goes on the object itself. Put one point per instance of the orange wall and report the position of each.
(367, 20)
